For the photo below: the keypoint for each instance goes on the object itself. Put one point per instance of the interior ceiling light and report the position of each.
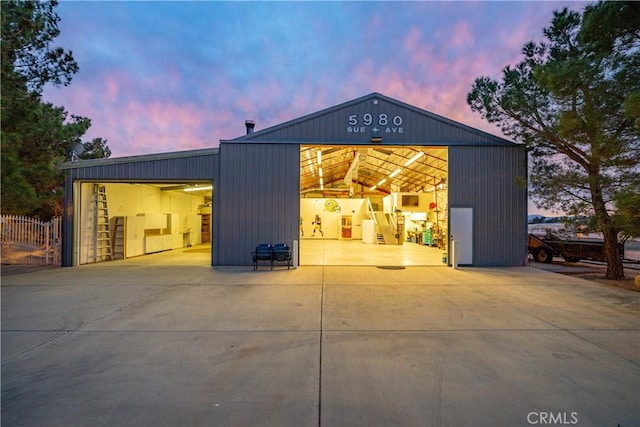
(414, 158)
(395, 172)
(196, 188)
(319, 157)
(320, 172)
(382, 182)
(373, 188)
(309, 159)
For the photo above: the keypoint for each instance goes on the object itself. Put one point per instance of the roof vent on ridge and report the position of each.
(250, 124)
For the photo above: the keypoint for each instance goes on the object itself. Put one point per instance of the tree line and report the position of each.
(35, 135)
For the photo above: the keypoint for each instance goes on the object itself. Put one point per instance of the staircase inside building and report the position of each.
(379, 220)
(102, 244)
(383, 225)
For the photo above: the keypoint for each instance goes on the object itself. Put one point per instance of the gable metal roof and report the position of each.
(363, 141)
(374, 116)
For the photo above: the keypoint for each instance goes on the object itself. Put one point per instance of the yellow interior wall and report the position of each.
(134, 200)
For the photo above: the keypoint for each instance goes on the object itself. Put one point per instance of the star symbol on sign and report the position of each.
(375, 129)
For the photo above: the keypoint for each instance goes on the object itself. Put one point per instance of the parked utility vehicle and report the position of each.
(544, 249)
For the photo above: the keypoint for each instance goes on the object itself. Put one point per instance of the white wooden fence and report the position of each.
(30, 241)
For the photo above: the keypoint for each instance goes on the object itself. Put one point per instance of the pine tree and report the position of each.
(574, 100)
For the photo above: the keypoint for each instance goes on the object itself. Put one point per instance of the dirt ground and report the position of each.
(631, 282)
(594, 271)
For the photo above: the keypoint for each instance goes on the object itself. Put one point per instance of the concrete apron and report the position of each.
(155, 343)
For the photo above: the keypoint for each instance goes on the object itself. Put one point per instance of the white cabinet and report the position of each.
(135, 236)
(167, 242)
(152, 244)
(369, 231)
(172, 223)
(151, 233)
(135, 247)
(155, 221)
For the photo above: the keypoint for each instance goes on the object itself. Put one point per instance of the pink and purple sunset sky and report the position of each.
(169, 76)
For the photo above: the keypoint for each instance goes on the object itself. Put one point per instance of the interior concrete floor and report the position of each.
(314, 251)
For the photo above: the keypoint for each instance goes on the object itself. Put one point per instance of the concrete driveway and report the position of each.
(170, 341)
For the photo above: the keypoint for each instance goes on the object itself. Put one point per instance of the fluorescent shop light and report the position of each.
(395, 172)
(414, 158)
(206, 187)
(309, 159)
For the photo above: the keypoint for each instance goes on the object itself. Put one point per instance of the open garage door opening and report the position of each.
(121, 220)
(373, 205)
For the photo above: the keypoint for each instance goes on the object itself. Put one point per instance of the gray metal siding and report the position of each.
(485, 178)
(182, 167)
(67, 223)
(257, 201)
(178, 169)
(331, 126)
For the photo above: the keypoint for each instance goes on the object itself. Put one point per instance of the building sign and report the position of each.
(378, 124)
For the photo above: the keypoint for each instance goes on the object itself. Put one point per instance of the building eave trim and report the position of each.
(141, 158)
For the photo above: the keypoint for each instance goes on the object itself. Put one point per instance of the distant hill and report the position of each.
(541, 219)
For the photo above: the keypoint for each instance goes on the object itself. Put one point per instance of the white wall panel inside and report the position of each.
(155, 219)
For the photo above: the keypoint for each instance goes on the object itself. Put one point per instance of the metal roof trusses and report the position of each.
(377, 168)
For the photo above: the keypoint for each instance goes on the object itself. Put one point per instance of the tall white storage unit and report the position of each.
(369, 231)
(135, 235)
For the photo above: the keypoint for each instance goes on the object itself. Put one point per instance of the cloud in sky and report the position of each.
(169, 76)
